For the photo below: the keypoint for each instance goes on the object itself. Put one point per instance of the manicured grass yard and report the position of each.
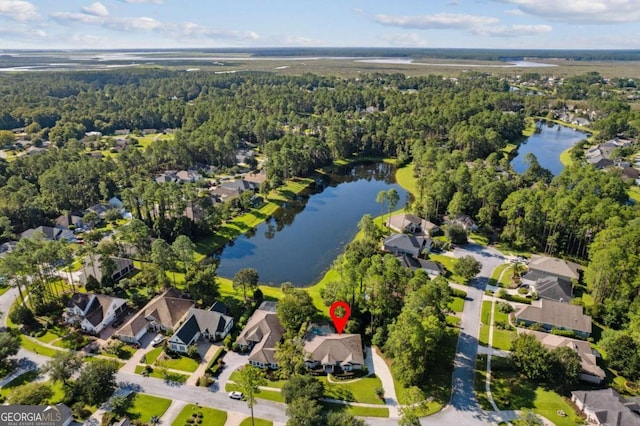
(211, 416)
(362, 390)
(483, 337)
(404, 178)
(264, 394)
(502, 338)
(485, 317)
(270, 383)
(457, 304)
(152, 355)
(258, 422)
(34, 347)
(23, 379)
(182, 363)
(146, 406)
(357, 411)
(448, 263)
(158, 373)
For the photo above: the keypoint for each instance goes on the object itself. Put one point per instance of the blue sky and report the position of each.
(112, 24)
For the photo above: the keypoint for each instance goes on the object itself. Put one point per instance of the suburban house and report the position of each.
(555, 315)
(182, 176)
(551, 278)
(200, 324)
(333, 352)
(50, 233)
(600, 156)
(68, 220)
(244, 157)
(399, 244)
(116, 268)
(261, 334)
(465, 221)
(404, 222)
(606, 407)
(230, 190)
(93, 312)
(163, 312)
(429, 266)
(590, 372)
(99, 209)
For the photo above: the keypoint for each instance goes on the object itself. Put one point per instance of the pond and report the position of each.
(301, 241)
(549, 141)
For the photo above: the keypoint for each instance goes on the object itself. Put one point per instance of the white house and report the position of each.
(200, 324)
(93, 312)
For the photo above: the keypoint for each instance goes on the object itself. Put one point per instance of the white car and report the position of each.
(235, 395)
(157, 341)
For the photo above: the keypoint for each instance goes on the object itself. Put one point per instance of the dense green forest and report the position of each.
(453, 130)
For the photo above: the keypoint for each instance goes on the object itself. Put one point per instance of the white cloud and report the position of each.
(404, 40)
(289, 40)
(437, 21)
(583, 11)
(18, 10)
(183, 31)
(513, 30)
(97, 9)
(514, 12)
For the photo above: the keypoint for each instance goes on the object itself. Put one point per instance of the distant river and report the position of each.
(300, 242)
(547, 145)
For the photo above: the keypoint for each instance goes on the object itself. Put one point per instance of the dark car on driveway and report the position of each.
(117, 323)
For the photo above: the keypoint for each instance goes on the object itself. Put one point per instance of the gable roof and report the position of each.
(95, 307)
(265, 331)
(50, 233)
(167, 309)
(554, 288)
(608, 407)
(66, 220)
(199, 321)
(561, 315)
(407, 243)
(588, 361)
(334, 349)
(94, 268)
(554, 266)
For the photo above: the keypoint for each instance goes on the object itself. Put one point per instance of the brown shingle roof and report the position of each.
(334, 348)
(167, 309)
(263, 330)
(554, 266)
(557, 314)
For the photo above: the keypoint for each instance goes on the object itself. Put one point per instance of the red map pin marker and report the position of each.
(340, 322)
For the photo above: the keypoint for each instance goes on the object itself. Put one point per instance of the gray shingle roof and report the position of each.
(608, 407)
(556, 314)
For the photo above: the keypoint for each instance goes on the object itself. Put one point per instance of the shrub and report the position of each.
(22, 315)
(523, 290)
(505, 308)
(565, 333)
(80, 411)
(458, 293)
(192, 352)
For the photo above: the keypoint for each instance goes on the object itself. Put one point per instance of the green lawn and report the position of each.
(146, 406)
(452, 320)
(182, 363)
(362, 390)
(502, 338)
(270, 383)
(49, 337)
(496, 274)
(357, 411)
(634, 193)
(158, 373)
(404, 178)
(448, 263)
(483, 337)
(485, 317)
(512, 392)
(457, 304)
(258, 422)
(4, 289)
(210, 416)
(151, 356)
(34, 347)
(264, 394)
(23, 379)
